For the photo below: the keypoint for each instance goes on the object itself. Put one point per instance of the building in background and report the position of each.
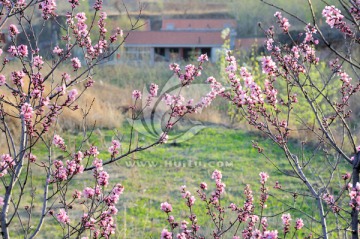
(178, 39)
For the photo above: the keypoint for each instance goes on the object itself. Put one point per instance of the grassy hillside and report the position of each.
(155, 176)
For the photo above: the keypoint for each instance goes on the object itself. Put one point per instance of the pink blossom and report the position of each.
(114, 195)
(175, 68)
(191, 201)
(233, 207)
(269, 44)
(333, 15)
(76, 63)
(103, 178)
(38, 61)
(13, 30)
(32, 158)
(346, 176)
(81, 17)
(20, 2)
(203, 186)
(283, 22)
(63, 217)
(74, 3)
(89, 83)
(72, 95)
(263, 177)
(98, 5)
(268, 65)
(88, 192)
(153, 90)
(277, 185)
(66, 77)
(264, 223)
(334, 18)
(171, 219)
(203, 58)
(77, 194)
(60, 174)
(286, 218)
(299, 224)
(164, 137)
(329, 199)
(352, 194)
(71, 167)
(93, 151)
(98, 163)
(57, 50)
(1, 201)
(165, 234)
(166, 207)
(309, 32)
(59, 142)
(12, 50)
(6, 161)
(61, 89)
(2, 80)
(23, 50)
(271, 234)
(136, 95)
(186, 194)
(216, 175)
(113, 149)
(118, 32)
(112, 210)
(27, 111)
(48, 8)
(36, 93)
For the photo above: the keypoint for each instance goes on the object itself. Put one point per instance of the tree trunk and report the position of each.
(354, 212)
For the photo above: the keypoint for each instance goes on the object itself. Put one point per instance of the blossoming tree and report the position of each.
(34, 95)
(293, 77)
(32, 98)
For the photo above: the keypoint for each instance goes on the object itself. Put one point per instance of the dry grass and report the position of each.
(106, 104)
(103, 104)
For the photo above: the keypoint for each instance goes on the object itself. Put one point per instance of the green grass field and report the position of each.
(155, 176)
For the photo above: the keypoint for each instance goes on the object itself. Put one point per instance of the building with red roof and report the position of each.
(179, 39)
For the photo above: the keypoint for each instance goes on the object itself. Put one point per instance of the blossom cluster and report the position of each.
(330, 201)
(254, 226)
(348, 89)
(114, 148)
(264, 194)
(6, 163)
(100, 222)
(283, 22)
(334, 18)
(354, 193)
(71, 167)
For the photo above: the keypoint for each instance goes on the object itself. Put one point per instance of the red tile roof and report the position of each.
(197, 24)
(174, 38)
